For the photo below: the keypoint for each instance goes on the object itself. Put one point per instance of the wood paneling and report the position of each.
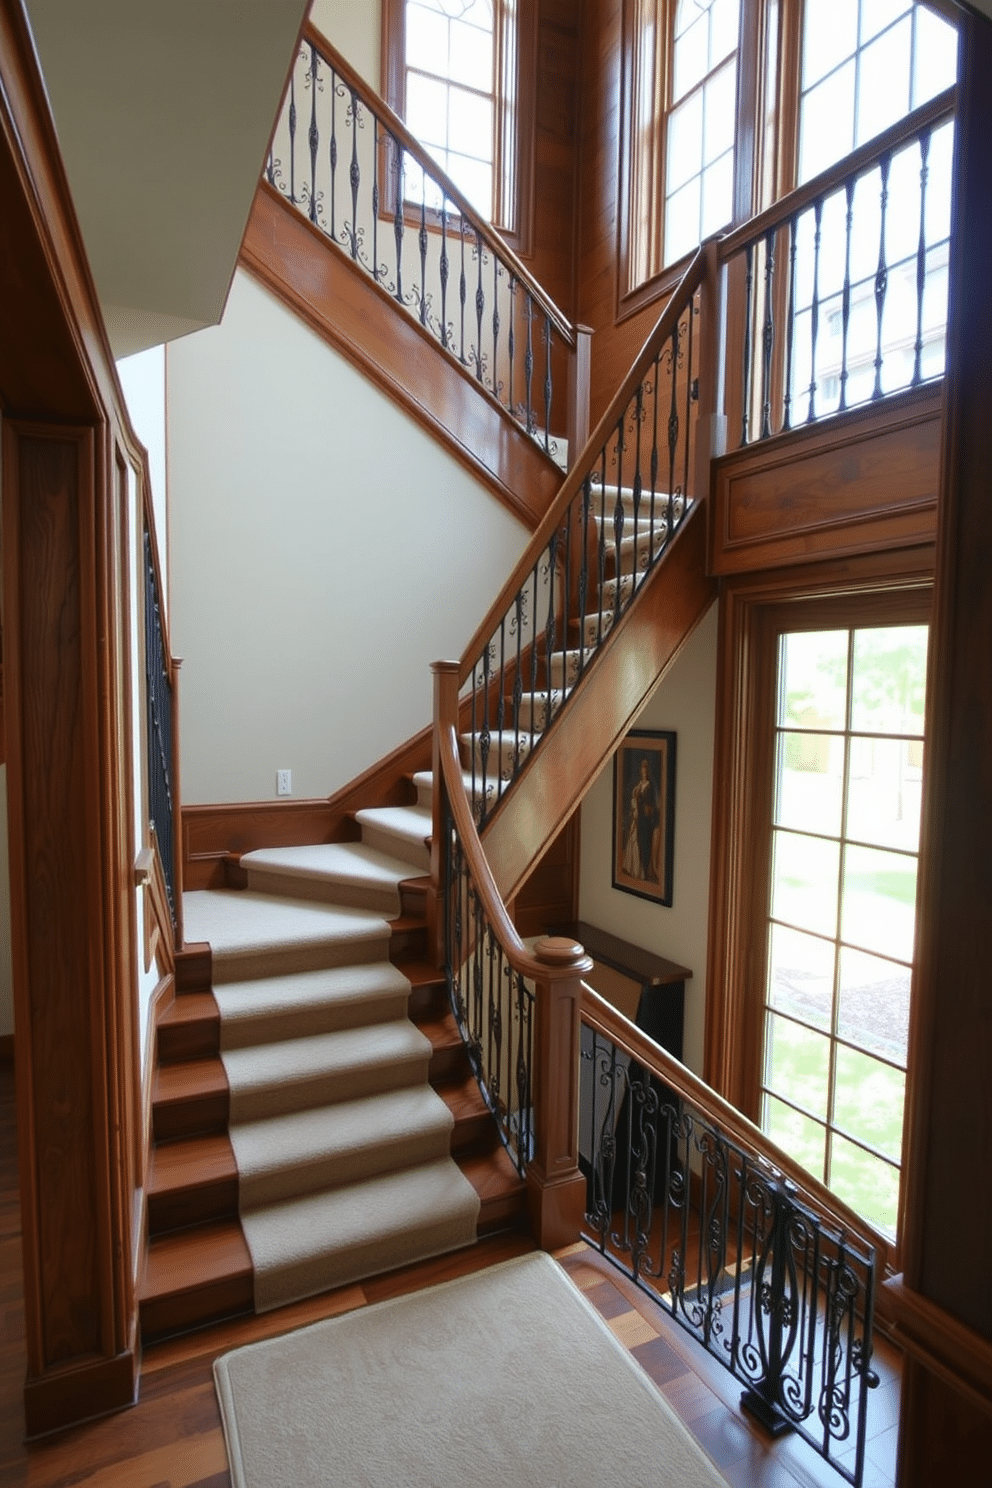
(949, 1123)
(350, 311)
(625, 671)
(862, 482)
(550, 894)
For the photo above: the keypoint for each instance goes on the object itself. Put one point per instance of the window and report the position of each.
(681, 86)
(845, 821)
(865, 65)
(452, 70)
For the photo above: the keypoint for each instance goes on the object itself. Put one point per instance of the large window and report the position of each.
(453, 71)
(681, 108)
(845, 824)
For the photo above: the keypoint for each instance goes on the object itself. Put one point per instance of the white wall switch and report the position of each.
(284, 782)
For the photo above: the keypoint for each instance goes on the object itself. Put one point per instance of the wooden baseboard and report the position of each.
(6, 1051)
(954, 1353)
(66, 1397)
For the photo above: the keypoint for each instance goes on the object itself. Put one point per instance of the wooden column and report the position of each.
(74, 1141)
(556, 1190)
(946, 1425)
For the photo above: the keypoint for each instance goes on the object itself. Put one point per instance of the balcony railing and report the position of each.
(348, 163)
(837, 295)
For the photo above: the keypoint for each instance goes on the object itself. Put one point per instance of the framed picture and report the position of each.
(644, 814)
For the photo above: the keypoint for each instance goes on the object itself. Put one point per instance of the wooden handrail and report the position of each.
(830, 180)
(605, 1019)
(663, 328)
(410, 143)
(555, 964)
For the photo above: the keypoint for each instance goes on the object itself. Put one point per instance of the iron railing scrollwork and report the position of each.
(841, 287)
(619, 508)
(349, 165)
(160, 707)
(775, 1289)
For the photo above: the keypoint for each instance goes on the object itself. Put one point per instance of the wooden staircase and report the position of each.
(198, 1267)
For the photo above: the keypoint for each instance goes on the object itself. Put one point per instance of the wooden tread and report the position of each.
(189, 1029)
(192, 1181)
(189, 1098)
(194, 1277)
(501, 1190)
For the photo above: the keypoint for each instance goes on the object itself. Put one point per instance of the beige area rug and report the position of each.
(505, 1376)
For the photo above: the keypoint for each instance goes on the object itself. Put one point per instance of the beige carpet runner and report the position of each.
(506, 1376)
(342, 1147)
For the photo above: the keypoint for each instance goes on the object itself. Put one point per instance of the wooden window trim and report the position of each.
(514, 179)
(887, 588)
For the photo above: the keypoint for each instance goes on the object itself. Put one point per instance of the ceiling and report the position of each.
(163, 110)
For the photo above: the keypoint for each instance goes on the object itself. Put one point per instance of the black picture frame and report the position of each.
(644, 815)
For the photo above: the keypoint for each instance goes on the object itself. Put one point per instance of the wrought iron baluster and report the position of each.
(480, 306)
(511, 342)
(422, 243)
(654, 453)
(768, 336)
(921, 256)
(550, 626)
(529, 358)
(548, 385)
(444, 268)
(355, 172)
(673, 428)
(601, 548)
(638, 419)
(618, 516)
(314, 136)
(566, 601)
(882, 272)
(814, 312)
(333, 152)
(462, 292)
(484, 736)
(518, 681)
(398, 218)
(583, 572)
(376, 145)
(746, 378)
(496, 383)
(292, 137)
(691, 394)
(501, 698)
(790, 323)
(478, 802)
(846, 296)
(159, 721)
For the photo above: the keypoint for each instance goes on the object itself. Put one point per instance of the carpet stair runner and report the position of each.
(314, 1115)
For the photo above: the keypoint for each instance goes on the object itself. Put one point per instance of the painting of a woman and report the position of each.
(643, 788)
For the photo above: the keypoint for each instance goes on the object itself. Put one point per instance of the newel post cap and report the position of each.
(560, 950)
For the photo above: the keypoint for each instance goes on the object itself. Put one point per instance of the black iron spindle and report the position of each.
(768, 336)
(314, 136)
(292, 137)
(746, 374)
(422, 244)
(444, 269)
(354, 173)
(814, 310)
(333, 153)
(159, 719)
(398, 217)
(548, 385)
(529, 358)
(882, 272)
(921, 257)
(495, 377)
(480, 306)
(790, 323)
(845, 305)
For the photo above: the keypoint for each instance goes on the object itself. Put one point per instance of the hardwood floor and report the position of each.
(172, 1438)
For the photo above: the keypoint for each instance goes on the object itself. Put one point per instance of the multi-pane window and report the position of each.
(449, 79)
(680, 62)
(845, 839)
(865, 65)
(702, 117)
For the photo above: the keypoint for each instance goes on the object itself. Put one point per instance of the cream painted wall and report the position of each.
(312, 531)
(686, 702)
(143, 383)
(355, 28)
(6, 978)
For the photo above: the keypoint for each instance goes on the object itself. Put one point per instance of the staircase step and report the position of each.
(194, 1277)
(448, 1053)
(349, 873)
(358, 1231)
(295, 1074)
(310, 1151)
(502, 1192)
(189, 1029)
(401, 831)
(538, 709)
(192, 1181)
(265, 1010)
(189, 1098)
(475, 1126)
(506, 752)
(257, 935)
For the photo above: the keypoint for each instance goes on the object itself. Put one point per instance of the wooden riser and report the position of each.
(195, 1277)
(190, 1029)
(189, 1099)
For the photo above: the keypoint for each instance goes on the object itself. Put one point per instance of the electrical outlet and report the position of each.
(284, 782)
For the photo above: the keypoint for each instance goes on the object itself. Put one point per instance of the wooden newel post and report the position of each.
(556, 1190)
(579, 389)
(445, 714)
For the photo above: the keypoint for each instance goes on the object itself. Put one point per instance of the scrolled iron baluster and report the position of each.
(882, 272)
(422, 244)
(292, 138)
(444, 269)
(333, 152)
(496, 324)
(354, 173)
(529, 358)
(691, 395)
(673, 426)
(480, 307)
(462, 293)
(583, 572)
(376, 138)
(511, 342)
(550, 626)
(746, 378)
(398, 218)
(314, 134)
(921, 257)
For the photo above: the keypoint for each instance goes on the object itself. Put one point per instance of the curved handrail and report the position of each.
(605, 1019)
(412, 145)
(580, 471)
(557, 962)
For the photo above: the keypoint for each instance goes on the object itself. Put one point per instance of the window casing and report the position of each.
(461, 73)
